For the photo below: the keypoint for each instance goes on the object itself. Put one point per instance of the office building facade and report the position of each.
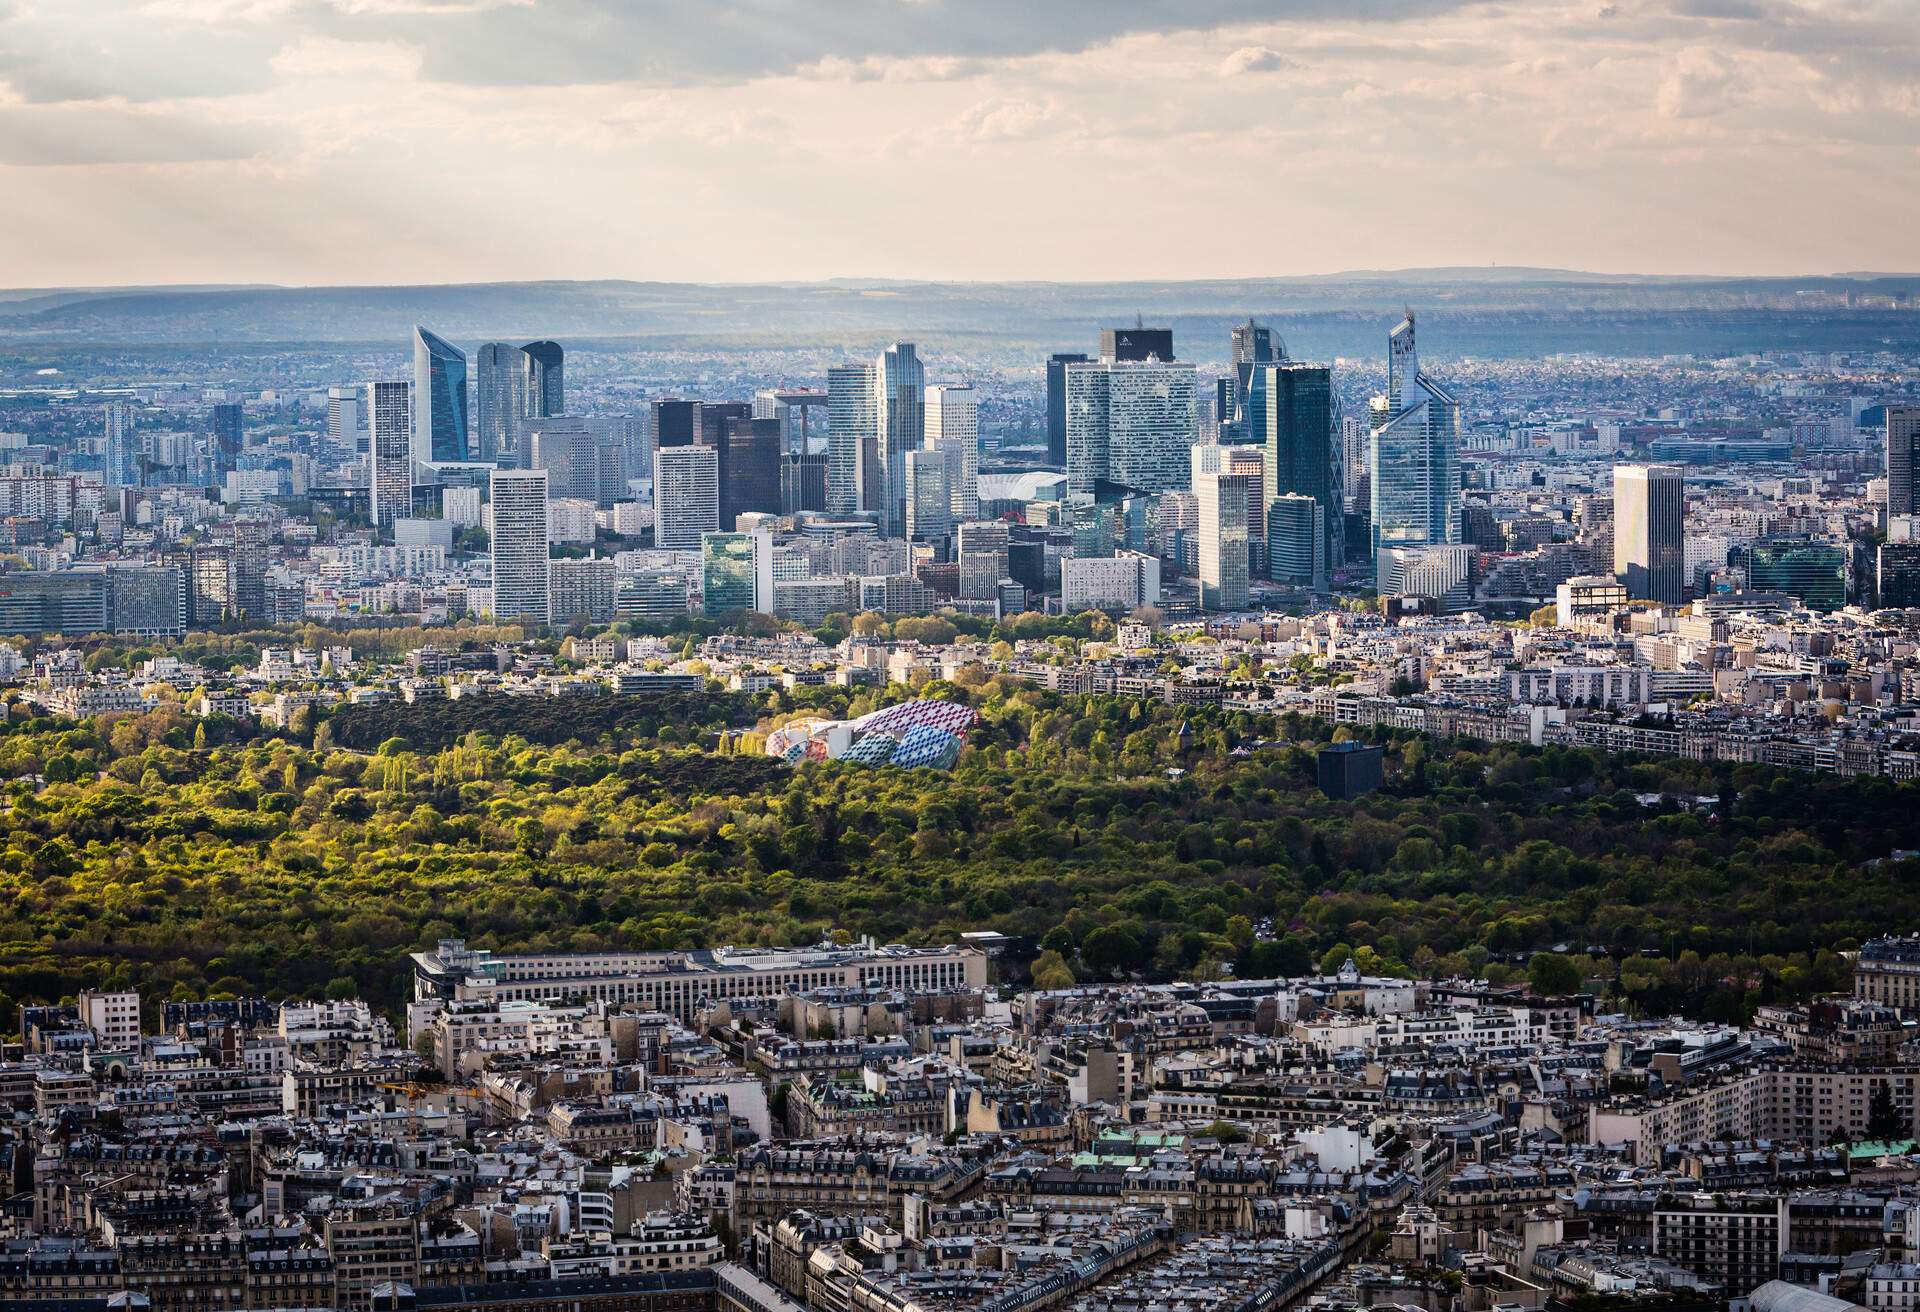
(686, 496)
(390, 452)
(953, 429)
(1414, 455)
(1223, 564)
(521, 581)
(439, 400)
(1650, 532)
(1057, 406)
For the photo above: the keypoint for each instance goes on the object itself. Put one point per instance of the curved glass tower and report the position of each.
(544, 372)
(1415, 465)
(439, 400)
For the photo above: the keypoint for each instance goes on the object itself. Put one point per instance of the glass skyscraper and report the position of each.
(439, 400)
(496, 401)
(1290, 413)
(543, 380)
(1414, 464)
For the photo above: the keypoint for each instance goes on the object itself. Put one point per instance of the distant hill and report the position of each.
(1483, 310)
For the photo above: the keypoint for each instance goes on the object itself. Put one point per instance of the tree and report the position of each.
(1884, 1122)
(1111, 949)
(341, 988)
(1050, 971)
(1550, 975)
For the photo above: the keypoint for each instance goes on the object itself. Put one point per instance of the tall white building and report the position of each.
(1131, 424)
(1222, 499)
(343, 419)
(1649, 531)
(953, 428)
(390, 452)
(686, 495)
(851, 438)
(521, 578)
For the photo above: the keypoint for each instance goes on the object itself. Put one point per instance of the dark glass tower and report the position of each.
(1290, 414)
(225, 423)
(1057, 406)
(439, 400)
(543, 366)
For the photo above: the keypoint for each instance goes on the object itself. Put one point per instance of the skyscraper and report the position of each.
(1903, 454)
(676, 422)
(749, 468)
(344, 413)
(497, 403)
(899, 394)
(850, 437)
(1222, 500)
(1253, 345)
(1057, 406)
(953, 428)
(1290, 415)
(1414, 463)
(521, 581)
(122, 456)
(543, 380)
(1297, 541)
(224, 427)
(686, 495)
(439, 400)
(1130, 417)
(929, 500)
(390, 414)
(1649, 532)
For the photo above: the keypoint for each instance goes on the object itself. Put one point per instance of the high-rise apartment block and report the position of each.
(521, 581)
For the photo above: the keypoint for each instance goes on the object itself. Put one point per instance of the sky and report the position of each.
(422, 141)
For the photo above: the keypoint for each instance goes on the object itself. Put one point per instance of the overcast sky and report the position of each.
(399, 141)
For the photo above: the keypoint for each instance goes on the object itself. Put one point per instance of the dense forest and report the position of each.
(194, 859)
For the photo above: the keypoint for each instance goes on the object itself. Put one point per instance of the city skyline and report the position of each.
(132, 126)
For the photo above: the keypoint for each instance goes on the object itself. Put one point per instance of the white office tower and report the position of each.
(899, 411)
(686, 496)
(1443, 574)
(521, 578)
(390, 412)
(851, 437)
(1123, 581)
(1250, 462)
(343, 420)
(929, 502)
(1130, 424)
(1413, 469)
(461, 506)
(1222, 502)
(1649, 532)
(953, 427)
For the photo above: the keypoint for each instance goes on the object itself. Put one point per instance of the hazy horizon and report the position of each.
(342, 143)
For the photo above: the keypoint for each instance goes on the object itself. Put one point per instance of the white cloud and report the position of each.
(1007, 120)
(1255, 59)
